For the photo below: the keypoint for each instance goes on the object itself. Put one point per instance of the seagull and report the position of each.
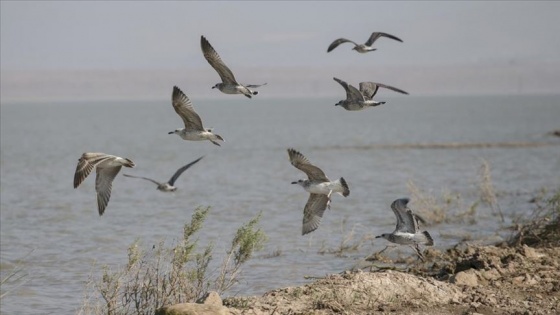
(108, 166)
(363, 98)
(407, 232)
(169, 185)
(362, 48)
(193, 125)
(229, 85)
(320, 189)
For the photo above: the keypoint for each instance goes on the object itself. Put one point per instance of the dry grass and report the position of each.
(349, 242)
(438, 209)
(14, 278)
(486, 189)
(543, 226)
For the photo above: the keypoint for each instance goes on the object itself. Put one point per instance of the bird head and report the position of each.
(299, 182)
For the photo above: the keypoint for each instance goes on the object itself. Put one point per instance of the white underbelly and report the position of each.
(321, 188)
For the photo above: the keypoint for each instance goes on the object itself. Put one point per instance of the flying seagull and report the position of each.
(362, 48)
(229, 85)
(320, 189)
(193, 130)
(107, 167)
(363, 98)
(407, 231)
(169, 185)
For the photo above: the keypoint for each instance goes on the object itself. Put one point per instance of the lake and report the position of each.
(56, 234)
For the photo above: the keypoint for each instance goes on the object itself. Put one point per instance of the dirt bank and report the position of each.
(462, 280)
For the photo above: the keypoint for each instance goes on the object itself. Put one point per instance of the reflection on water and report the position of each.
(437, 143)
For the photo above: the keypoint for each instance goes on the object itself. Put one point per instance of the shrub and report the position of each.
(163, 275)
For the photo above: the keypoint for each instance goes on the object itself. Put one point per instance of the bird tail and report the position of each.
(426, 238)
(345, 190)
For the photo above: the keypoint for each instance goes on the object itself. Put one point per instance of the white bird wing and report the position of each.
(405, 218)
(216, 62)
(352, 94)
(104, 184)
(376, 35)
(86, 164)
(184, 108)
(339, 41)
(302, 163)
(181, 170)
(313, 212)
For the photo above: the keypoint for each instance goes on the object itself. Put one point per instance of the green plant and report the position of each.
(163, 275)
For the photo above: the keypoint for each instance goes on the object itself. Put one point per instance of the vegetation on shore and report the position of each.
(165, 275)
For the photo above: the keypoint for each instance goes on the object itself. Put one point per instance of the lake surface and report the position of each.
(58, 232)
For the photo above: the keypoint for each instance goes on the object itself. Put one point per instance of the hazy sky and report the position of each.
(66, 35)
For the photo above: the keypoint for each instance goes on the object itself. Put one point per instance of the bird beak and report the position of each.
(213, 87)
(379, 236)
(294, 182)
(171, 132)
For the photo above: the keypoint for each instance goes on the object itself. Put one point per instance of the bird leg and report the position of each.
(418, 252)
(329, 199)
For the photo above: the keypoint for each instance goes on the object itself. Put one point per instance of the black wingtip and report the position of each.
(430, 240)
(346, 192)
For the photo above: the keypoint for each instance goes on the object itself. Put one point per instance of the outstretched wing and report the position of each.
(392, 88)
(405, 218)
(216, 62)
(184, 108)
(86, 164)
(104, 184)
(302, 163)
(146, 178)
(368, 89)
(313, 212)
(253, 86)
(339, 41)
(352, 94)
(376, 35)
(181, 170)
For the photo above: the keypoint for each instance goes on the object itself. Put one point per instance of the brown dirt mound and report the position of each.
(467, 280)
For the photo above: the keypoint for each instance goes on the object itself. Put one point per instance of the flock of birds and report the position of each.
(317, 184)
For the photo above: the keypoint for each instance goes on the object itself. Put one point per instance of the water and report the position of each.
(59, 227)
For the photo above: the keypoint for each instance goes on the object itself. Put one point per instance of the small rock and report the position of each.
(518, 280)
(531, 253)
(211, 298)
(491, 274)
(465, 278)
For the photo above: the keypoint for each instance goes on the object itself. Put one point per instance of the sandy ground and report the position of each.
(462, 280)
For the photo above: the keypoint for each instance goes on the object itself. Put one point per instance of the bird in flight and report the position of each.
(407, 231)
(228, 85)
(319, 187)
(169, 185)
(365, 47)
(107, 167)
(193, 130)
(362, 98)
